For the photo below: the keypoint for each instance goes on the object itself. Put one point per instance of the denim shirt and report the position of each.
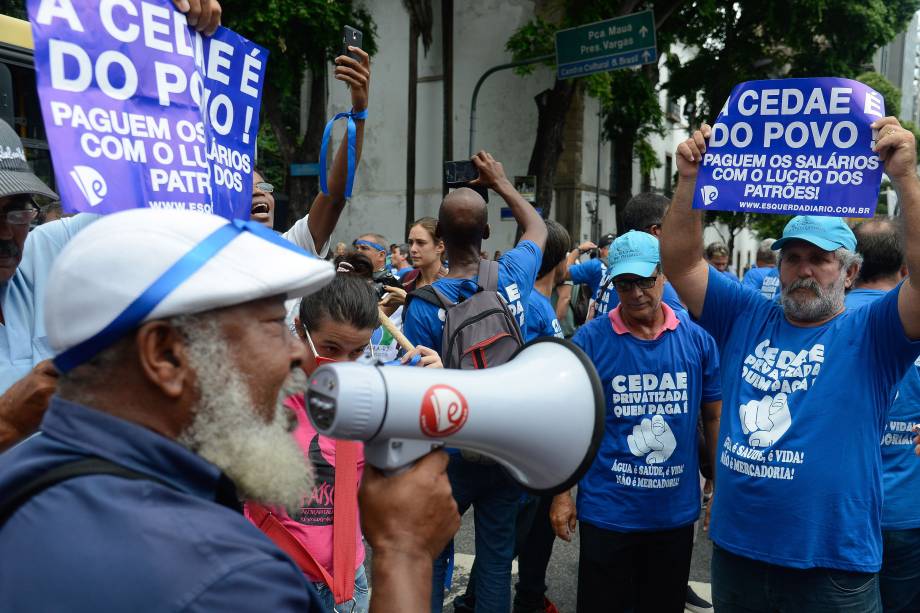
(105, 543)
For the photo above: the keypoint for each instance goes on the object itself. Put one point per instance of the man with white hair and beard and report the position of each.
(169, 333)
(806, 387)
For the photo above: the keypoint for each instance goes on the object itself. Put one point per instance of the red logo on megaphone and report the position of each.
(444, 411)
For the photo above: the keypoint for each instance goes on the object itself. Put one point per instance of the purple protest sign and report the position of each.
(142, 111)
(794, 147)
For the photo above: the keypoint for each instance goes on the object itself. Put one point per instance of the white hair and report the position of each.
(828, 299)
(262, 459)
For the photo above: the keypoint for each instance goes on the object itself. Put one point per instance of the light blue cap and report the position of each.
(633, 253)
(828, 233)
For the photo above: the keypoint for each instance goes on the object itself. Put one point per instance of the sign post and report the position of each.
(606, 45)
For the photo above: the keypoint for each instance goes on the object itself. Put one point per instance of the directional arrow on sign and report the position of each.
(629, 41)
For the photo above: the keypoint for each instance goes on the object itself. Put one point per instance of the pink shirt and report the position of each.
(619, 326)
(313, 526)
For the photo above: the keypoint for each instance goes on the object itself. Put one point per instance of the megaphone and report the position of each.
(540, 415)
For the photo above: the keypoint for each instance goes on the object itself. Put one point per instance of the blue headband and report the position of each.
(376, 246)
(174, 276)
(352, 150)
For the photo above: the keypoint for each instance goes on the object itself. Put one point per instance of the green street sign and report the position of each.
(606, 45)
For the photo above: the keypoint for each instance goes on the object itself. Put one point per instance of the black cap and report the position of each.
(605, 240)
(15, 175)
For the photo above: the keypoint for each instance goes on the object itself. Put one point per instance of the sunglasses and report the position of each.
(626, 285)
(262, 186)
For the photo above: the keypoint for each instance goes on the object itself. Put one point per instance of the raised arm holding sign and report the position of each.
(132, 95)
(794, 146)
(683, 230)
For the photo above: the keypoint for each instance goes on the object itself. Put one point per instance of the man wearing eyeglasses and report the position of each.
(26, 381)
(638, 502)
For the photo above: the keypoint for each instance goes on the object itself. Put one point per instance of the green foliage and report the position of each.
(767, 226)
(533, 39)
(886, 88)
(298, 34)
(742, 40)
(630, 105)
(14, 8)
(647, 156)
(271, 159)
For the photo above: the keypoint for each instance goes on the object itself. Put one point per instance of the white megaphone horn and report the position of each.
(541, 415)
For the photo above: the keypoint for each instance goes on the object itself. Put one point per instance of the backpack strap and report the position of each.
(600, 294)
(488, 275)
(431, 295)
(64, 472)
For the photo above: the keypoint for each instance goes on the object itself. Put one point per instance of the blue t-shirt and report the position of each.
(541, 318)
(423, 322)
(799, 471)
(23, 340)
(591, 273)
(764, 280)
(900, 467)
(858, 297)
(606, 299)
(404, 271)
(646, 473)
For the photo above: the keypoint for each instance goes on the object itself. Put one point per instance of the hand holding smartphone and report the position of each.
(351, 37)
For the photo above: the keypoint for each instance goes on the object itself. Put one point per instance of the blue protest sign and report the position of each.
(142, 111)
(794, 147)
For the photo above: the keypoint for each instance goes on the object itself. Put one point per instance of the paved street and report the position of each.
(563, 567)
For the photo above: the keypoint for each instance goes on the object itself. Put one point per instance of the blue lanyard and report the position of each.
(352, 150)
(174, 276)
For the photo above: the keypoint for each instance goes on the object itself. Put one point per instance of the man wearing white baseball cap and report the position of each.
(807, 385)
(169, 333)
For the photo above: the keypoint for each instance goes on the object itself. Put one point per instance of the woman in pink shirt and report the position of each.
(335, 324)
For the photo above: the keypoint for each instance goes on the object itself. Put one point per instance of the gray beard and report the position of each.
(262, 459)
(827, 301)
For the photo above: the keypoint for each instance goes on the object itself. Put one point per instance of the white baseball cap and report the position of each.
(145, 264)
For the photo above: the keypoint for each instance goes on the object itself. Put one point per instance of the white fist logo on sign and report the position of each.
(653, 439)
(765, 420)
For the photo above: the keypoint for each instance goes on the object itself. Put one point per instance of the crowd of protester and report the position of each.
(161, 458)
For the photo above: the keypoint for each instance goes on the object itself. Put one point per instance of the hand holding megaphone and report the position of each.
(541, 415)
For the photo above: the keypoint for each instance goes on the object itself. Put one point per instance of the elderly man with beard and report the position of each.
(27, 377)
(174, 355)
(806, 388)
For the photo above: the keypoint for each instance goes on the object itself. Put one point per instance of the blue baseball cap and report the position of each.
(828, 233)
(633, 253)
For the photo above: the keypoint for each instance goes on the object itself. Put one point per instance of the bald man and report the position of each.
(463, 224)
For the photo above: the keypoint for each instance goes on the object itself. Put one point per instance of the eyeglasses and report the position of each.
(19, 217)
(320, 360)
(626, 285)
(265, 187)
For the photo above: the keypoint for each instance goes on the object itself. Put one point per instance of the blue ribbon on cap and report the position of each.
(352, 150)
(167, 282)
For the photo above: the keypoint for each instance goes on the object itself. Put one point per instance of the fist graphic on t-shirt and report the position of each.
(653, 439)
(765, 420)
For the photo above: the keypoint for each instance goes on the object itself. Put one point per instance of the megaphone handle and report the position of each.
(394, 456)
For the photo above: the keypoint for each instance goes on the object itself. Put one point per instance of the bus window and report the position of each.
(19, 105)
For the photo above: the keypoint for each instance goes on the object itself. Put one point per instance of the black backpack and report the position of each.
(581, 303)
(479, 331)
